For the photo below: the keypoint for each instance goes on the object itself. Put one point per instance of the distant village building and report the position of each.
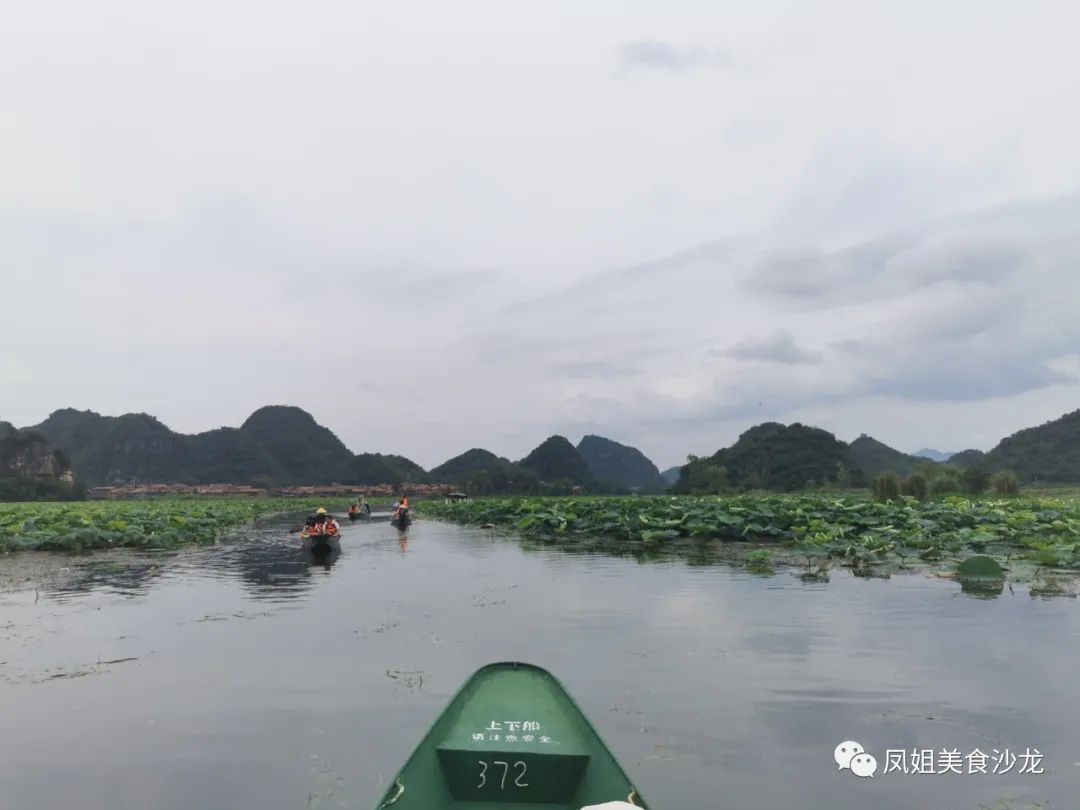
(116, 491)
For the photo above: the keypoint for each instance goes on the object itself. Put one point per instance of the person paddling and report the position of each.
(321, 523)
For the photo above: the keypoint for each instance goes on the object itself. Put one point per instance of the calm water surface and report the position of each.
(264, 678)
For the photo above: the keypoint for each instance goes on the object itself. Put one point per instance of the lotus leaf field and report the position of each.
(852, 531)
(76, 526)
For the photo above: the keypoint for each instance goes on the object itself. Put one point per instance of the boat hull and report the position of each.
(512, 737)
(323, 542)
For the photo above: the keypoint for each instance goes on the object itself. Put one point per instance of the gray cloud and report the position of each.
(752, 132)
(819, 276)
(952, 372)
(854, 188)
(452, 284)
(777, 347)
(656, 55)
(595, 369)
(985, 248)
(974, 308)
(982, 311)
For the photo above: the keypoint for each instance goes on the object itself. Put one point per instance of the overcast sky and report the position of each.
(444, 225)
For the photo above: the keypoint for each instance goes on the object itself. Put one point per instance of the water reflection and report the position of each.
(693, 553)
(982, 588)
(123, 573)
(273, 563)
(322, 555)
(278, 569)
(270, 562)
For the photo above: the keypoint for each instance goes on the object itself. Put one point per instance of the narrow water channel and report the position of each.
(252, 675)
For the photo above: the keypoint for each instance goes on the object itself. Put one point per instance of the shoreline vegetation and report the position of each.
(1024, 538)
(161, 523)
(984, 542)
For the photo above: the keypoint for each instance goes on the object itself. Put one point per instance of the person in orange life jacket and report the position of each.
(322, 523)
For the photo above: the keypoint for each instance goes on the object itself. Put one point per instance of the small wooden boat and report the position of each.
(358, 513)
(322, 542)
(510, 738)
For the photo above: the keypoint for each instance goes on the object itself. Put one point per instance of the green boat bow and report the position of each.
(511, 736)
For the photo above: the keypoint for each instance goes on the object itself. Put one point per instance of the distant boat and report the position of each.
(510, 738)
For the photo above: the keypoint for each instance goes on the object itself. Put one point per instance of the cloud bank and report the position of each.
(654, 55)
